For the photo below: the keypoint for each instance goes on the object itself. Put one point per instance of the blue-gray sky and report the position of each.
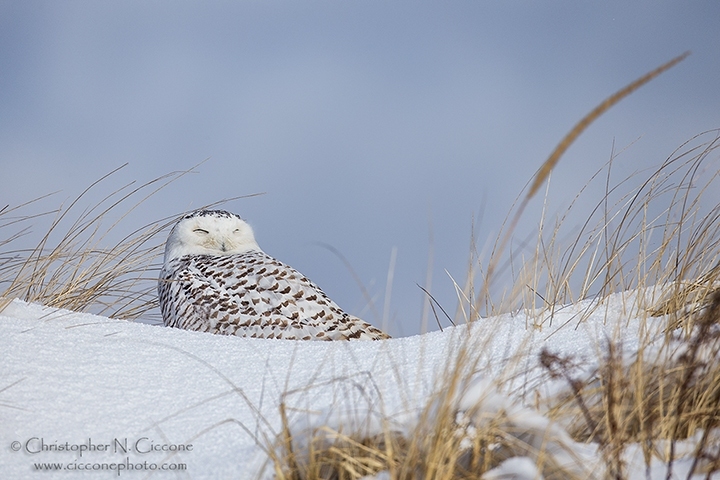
(365, 123)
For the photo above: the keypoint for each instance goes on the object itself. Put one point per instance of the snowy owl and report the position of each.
(216, 279)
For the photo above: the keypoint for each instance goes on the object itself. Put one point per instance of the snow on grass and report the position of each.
(212, 404)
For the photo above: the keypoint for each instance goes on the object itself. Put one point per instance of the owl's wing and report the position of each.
(253, 295)
(191, 299)
(285, 296)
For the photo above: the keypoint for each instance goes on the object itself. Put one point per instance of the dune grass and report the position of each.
(71, 267)
(657, 236)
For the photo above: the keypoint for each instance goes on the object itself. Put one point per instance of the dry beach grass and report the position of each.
(659, 233)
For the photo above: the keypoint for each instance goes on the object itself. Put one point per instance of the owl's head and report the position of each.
(209, 232)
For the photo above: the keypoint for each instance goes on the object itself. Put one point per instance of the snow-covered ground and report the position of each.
(85, 392)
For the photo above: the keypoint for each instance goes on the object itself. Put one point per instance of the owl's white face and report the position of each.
(210, 232)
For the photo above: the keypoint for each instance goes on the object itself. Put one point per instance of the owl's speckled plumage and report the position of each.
(216, 279)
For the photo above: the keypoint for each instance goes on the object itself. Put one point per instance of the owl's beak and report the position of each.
(223, 247)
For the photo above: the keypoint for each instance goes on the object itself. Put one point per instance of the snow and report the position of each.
(77, 389)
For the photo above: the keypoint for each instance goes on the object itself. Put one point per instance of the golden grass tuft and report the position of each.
(659, 238)
(70, 267)
(449, 439)
(660, 397)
